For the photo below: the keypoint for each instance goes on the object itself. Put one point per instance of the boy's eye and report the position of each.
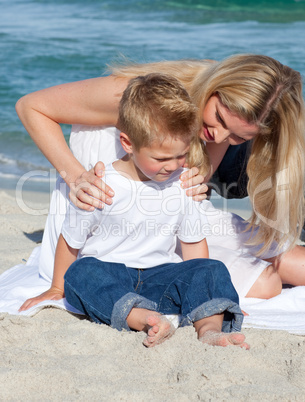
(169, 159)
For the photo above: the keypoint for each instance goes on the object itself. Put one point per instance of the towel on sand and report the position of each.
(22, 282)
(283, 312)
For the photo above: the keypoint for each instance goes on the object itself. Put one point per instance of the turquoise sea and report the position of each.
(47, 42)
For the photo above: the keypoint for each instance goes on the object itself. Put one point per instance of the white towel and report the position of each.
(22, 282)
(283, 312)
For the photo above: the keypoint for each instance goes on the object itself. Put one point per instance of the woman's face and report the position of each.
(220, 125)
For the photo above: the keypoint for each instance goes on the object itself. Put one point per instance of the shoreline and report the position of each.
(25, 184)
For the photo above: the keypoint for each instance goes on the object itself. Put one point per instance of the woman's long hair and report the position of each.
(261, 91)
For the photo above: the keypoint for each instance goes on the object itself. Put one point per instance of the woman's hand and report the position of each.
(89, 191)
(52, 294)
(193, 179)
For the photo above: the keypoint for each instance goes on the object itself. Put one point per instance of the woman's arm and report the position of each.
(90, 102)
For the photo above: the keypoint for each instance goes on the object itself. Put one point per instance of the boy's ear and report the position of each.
(126, 144)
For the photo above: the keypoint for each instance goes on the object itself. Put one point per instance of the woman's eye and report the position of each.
(219, 119)
(238, 139)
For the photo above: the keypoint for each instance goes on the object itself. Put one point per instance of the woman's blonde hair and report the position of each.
(261, 91)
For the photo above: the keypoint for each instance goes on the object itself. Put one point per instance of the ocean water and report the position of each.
(48, 42)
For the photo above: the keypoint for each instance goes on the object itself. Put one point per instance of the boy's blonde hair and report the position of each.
(154, 107)
(262, 91)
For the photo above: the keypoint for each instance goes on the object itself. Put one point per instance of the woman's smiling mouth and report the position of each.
(207, 134)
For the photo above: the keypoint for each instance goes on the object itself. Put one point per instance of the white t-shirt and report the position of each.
(139, 229)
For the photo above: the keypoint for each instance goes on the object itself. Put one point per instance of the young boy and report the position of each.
(118, 265)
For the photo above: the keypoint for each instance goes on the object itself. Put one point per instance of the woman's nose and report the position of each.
(221, 135)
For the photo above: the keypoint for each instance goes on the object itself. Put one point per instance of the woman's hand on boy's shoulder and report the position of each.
(194, 183)
(89, 191)
(51, 294)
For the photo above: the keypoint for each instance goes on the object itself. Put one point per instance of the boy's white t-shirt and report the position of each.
(141, 226)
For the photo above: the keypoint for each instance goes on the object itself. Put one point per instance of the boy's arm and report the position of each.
(64, 257)
(194, 250)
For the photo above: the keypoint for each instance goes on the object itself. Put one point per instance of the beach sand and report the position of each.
(57, 356)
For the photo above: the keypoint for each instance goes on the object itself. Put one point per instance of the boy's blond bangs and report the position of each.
(154, 107)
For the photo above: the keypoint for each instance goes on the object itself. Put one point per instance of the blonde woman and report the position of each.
(243, 99)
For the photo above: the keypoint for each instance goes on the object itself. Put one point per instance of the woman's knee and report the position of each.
(268, 284)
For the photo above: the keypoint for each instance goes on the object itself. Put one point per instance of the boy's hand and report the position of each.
(193, 179)
(89, 191)
(52, 294)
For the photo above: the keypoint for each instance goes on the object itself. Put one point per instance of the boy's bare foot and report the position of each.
(224, 339)
(159, 328)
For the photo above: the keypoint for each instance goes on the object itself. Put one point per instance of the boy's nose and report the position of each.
(173, 165)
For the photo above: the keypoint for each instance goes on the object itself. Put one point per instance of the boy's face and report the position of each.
(159, 161)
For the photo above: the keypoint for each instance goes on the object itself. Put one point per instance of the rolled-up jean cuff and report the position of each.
(232, 322)
(124, 305)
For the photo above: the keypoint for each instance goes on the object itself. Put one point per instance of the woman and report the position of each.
(241, 99)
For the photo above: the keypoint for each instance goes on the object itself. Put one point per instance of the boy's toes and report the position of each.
(159, 329)
(238, 339)
(224, 339)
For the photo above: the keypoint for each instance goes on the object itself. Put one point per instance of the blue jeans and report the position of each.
(195, 289)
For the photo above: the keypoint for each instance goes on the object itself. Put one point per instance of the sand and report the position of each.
(57, 356)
